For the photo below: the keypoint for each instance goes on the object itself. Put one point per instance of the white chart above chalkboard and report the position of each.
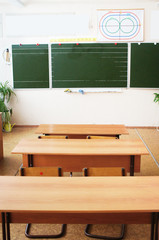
(46, 25)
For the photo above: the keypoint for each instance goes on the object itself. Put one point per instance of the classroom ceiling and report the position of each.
(29, 2)
(25, 4)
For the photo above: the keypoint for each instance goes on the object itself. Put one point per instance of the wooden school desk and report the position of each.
(81, 130)
(1, 138)
(75, 154)
(80, 200)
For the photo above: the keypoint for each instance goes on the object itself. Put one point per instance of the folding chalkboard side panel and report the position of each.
(30, 66)
(144, 65)
(89, 65)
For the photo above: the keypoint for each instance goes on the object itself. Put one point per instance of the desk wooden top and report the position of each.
(79, 194)
(79, 129)
(81, 147)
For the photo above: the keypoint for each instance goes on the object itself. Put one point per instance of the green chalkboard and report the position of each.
(89, 65)
(144, 65)
(30, 66)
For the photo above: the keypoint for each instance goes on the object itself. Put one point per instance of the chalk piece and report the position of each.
(81, 91)
(67, 90)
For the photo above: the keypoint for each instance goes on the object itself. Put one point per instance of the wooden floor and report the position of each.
(149, 166)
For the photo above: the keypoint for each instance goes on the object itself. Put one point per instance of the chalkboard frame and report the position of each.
(62, 65)
(144, 71)
(30, 66)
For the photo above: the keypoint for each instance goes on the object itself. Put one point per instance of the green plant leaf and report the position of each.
(3, 107)
(156, 99)
(6, 92)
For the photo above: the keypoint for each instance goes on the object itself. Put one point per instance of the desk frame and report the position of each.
(74, 155)
(82, 136)
(28, 161)
(79, 202)
(81, 131)
(80, 218)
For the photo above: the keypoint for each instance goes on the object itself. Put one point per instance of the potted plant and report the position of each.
(156, 99)
(5, 94)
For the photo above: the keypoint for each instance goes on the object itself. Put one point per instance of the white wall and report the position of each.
(132, 107)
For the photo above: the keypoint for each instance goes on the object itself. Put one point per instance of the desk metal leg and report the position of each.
(30, 160)
(156, 230)
(8, 225)
(3, 226)
(132, 160)
(152, 225)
